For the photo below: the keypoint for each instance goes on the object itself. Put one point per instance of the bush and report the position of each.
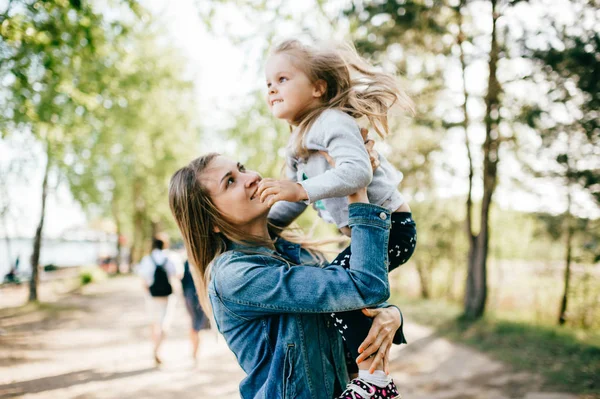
(86, 277)
(50, 268)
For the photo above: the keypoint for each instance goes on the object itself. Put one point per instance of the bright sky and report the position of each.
(224, 74)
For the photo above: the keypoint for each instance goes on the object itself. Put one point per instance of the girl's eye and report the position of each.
(282, 79)
(268, 85)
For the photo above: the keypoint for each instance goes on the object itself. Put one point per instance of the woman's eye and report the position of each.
(242, 168)
(230, 181)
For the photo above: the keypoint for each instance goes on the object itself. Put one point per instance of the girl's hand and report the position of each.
(271, 191)
(359, 196)
(379, 340)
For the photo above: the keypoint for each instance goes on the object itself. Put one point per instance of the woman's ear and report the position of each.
(319, 88)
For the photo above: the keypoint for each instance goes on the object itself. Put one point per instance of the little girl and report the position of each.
(321, 93)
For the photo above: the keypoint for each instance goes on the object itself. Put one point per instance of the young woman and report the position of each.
(271, 298)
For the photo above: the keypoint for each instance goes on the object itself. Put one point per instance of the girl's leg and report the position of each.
(354, 326)
(403, 239)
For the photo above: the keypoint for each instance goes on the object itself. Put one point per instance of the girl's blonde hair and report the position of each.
(353, 86)
(197, 218)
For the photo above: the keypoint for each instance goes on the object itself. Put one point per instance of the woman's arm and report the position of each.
(386, 323)
(256, 285)
(283, 213)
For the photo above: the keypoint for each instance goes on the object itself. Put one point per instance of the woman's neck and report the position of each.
(259, 229)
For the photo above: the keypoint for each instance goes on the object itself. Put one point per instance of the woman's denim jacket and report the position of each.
(273, 308)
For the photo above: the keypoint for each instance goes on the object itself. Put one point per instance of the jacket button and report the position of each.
(383, 216)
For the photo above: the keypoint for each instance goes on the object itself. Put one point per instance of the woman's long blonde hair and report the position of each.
(353, 86)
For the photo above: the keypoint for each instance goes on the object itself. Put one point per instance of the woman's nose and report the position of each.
(252, 178)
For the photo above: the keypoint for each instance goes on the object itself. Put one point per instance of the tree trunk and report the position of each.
(116, 217)
(562, 314)
(424, 279)
(7, 239)
(476, 287)
(37, 242)
(139, 232)
(466, 123)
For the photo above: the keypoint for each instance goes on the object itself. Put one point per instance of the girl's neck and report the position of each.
(302, 115)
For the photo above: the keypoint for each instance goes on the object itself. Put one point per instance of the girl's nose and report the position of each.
(272, 89)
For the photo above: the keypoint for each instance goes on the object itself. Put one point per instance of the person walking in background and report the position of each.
(158, 270)
(198, 319)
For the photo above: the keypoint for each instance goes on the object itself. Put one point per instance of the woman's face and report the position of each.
(232, 189)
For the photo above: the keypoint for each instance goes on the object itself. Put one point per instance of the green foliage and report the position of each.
(107, 100)
(566, 115)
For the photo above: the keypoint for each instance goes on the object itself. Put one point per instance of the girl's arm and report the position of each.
(339, 135)
(254, 285)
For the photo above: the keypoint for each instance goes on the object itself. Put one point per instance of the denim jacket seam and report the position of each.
(279, 308)
(300, 327)
(221, 299)
(367, 208)
(266, 335)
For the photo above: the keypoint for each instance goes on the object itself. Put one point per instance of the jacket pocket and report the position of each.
(289, 390)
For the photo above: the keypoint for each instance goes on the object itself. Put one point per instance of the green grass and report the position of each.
(568, 359)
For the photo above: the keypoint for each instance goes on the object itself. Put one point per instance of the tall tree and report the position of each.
(148, 131)
(476, 285)
(47, 49)
(565, 114)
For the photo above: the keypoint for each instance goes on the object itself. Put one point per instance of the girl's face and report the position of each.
(232, 189)
(289, 90)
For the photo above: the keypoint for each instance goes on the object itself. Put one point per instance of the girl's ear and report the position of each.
(319, 88)
(216, 229)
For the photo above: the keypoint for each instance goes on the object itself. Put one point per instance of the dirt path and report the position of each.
(95, 344)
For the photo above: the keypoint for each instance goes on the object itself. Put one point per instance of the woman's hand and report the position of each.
(370, 146)
(271, 191)
(379, 340)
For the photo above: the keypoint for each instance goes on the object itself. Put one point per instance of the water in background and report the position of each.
(54, 251)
